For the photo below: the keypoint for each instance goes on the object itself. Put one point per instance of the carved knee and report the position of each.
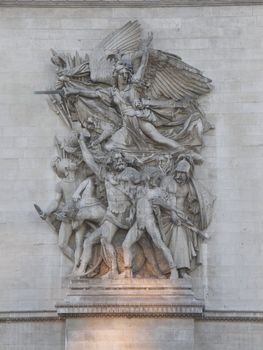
(126, 245)
(62, 245)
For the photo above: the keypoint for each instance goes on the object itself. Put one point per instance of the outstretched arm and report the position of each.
(88, 158)
(89, 93)
(53, 205)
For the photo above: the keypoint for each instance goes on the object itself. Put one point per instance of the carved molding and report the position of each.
(81, 310)
(206, 315)
(28, 316)
(127, 3)
(224, 315)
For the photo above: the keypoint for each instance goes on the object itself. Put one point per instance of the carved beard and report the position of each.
(119, 166)
(181, 181)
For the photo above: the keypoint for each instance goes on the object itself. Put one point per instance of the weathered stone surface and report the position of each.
(126, 3)
(32, 335)
(129, 333)
(130, 298)
(126, 166)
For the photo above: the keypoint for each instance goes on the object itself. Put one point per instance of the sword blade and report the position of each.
(39, 211)
(49, 92)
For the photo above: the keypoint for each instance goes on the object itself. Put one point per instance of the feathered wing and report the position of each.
(126, 39)
(169, 77)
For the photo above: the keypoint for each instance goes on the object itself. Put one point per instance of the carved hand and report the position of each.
(44, 215)
(76, 197)
(176, 220)
(149, 39)
(68, 92)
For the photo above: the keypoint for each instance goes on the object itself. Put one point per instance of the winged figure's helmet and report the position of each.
(122, 65)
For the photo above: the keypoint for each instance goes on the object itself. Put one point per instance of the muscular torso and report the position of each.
(117, 194)
(177, 193)
(68, 187)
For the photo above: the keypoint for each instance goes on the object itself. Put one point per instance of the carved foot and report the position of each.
(79, 272)
(111, 275)
(127, 273)
(174, 274)
(73, 272)
(187, 277)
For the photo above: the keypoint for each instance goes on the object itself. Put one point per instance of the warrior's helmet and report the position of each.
(183, 166)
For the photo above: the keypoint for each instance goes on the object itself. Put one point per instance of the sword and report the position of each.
(42, 216)
(50, 92)
(184, 222)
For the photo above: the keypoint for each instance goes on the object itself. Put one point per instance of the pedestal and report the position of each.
(129, 314)
(130, 297)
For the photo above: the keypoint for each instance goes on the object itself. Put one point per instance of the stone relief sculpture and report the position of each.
(127, 204)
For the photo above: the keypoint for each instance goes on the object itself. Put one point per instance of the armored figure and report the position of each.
(180, 228)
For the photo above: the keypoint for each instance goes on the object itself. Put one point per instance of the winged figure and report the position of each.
(146, 98)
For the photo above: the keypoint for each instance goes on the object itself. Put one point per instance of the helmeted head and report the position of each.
(182, 171)
(122, 73)
(63, 166)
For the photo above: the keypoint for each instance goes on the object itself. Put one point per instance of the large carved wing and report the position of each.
(124, 40)
(169, 77)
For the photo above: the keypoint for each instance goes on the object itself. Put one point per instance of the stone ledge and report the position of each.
(224, 315)
(29, 316)
(126, 3)
(133, 310)
(207, 315)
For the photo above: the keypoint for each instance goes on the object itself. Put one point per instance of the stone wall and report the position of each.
(32, 336)
(150, 334)
(228, 335)
(226, 44)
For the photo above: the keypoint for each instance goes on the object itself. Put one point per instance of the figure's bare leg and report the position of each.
(132, 236)
(79, 238)
(94, 214)
(65, 233)
(149, 254)
(87, 250)
(108, 232)
(156, 136)
(154, 232)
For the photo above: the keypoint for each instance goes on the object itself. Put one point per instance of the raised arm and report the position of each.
(53, 205)
(77, 194)
(138, 76)
(88, 158)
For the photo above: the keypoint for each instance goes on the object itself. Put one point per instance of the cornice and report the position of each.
(130, 311)
(241, 316)
(29, 316)
(126, 3)
(134, 310)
